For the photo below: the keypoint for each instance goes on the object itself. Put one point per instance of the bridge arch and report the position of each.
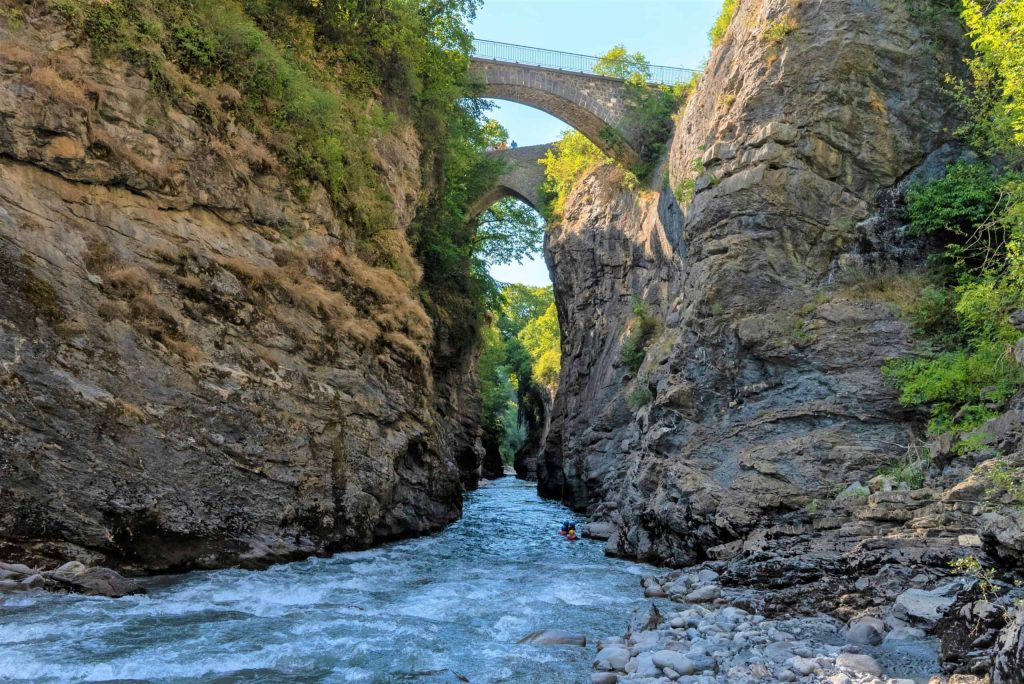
(522, 179)
(593, 105)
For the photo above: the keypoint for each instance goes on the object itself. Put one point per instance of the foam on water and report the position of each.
(424, 610)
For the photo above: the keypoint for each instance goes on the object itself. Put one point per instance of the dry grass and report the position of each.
(188, 352)
(120, 408)
(128, 282)
(46, 80)
(902, 290)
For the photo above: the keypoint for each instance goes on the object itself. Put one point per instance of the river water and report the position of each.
(445, 608)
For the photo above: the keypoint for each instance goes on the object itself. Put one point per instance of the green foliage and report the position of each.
(566, 162)
(721, 25)
(962, 388)
(1007, 479)
(970, 566)
(640, 332)
(619, 63)
(997, 36)
(650, 113)
(776, 32)
(310, 74)
(541, 339)
(494, 133)
(509, 231)
(910, 471)
(508, 369)
(954, 204)
(13, 16)
(640, 396)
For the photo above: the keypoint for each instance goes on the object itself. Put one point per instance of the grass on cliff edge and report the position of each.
(312, 79)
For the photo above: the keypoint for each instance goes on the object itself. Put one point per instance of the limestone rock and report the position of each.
(925, 606)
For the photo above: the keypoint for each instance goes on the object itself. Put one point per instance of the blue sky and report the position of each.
(668, 32)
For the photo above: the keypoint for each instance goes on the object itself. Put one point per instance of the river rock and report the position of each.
(708, 592)
(859, 662)
(17, 569)
(98, 582)
(674, 660)
(868, 631)
(598, 530)
(1008, 667)
(553, 637)
(644, 619)
(603, 678)
(612, 658)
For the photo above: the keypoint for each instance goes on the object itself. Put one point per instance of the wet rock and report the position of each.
(96, 582)
(612, 658)
(859, 662)
(652, 587)
(644, 619)
(603, 678)
(553, 637)
(598, 530)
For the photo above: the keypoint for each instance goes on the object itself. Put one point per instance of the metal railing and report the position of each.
(568, 61)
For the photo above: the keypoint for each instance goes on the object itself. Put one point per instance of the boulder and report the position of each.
(708, 592)
(17, 569)
(925, 606)
(603, 678)
(97, 582)
(598, 530)
(612, 658)
(867, 631)
(644, 620)
(859, 662)
(674, 660)
(553, 637)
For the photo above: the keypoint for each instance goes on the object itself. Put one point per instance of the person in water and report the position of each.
(571, 536)
(567, 527)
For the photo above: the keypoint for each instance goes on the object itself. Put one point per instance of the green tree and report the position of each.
(541, 339)
(997, 37)
(494, 133)
(568, 160)
(620, 63)
(509, 231)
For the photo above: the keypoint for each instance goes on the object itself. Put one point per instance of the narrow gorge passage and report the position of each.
(426, 610)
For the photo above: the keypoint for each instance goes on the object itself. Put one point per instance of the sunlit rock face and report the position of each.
(197, 369)
(762, 389)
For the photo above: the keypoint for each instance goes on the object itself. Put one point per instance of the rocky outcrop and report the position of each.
(69, 577)
(198, 367)
(771, 288)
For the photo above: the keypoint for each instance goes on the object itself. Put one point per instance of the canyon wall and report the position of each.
(762, 389)
(197, 367)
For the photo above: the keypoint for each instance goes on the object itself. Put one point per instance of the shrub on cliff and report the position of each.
(640, 332)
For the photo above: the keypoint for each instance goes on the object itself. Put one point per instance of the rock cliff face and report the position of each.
(768, 285)
(197, 368)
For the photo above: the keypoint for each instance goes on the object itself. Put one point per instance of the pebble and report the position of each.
(859, 662)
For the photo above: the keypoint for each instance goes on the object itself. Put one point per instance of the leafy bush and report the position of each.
(640, 396)
(721, 25)
(640, 333)
(566, 162)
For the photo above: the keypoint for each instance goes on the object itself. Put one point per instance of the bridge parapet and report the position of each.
(568, 61)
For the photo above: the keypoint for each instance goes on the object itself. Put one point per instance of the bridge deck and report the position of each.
(568, 61)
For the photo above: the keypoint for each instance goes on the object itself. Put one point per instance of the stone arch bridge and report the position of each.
(566, 86)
